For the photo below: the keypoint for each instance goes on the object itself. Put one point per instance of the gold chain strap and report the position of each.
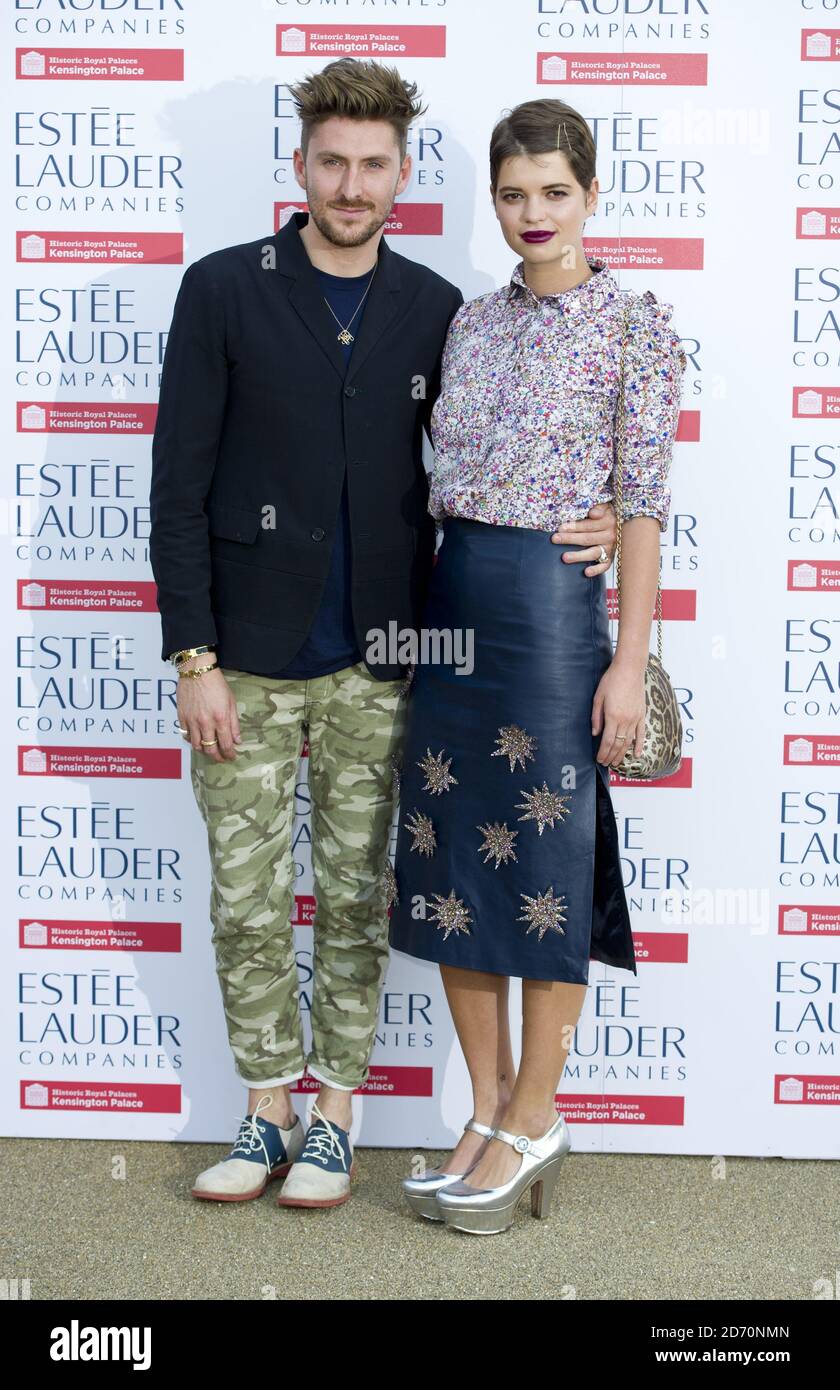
(621, 423)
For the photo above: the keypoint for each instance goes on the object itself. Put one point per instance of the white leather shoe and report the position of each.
(262, 1152)
(320, 1177)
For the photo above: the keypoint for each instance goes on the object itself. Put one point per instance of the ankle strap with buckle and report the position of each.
(522, 1143)
(479, 1128)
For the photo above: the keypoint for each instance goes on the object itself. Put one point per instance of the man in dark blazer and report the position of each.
(260, 422)
(289, 522)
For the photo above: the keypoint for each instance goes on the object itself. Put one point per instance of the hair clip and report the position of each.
(565, 132)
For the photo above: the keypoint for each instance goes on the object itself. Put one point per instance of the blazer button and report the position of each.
(318, 534)
(349, 390)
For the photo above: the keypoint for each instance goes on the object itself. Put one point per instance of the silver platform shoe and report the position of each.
(489, 1210)
(420, 1192)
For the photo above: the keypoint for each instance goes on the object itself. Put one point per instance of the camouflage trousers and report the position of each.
(355, 726)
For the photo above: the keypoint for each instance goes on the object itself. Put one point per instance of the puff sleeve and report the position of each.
(654, 366)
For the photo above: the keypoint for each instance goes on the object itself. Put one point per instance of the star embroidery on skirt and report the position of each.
(423, 833)
(514, 744)
(543, 807)
(389, 879)
(452, 914)
(544, 913)
(498, 841)
(438, 777)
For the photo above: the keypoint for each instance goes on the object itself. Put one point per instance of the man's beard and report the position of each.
(351, 235)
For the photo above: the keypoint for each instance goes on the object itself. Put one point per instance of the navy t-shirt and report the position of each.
(331, 644)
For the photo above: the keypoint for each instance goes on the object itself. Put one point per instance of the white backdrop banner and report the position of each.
(149, 132)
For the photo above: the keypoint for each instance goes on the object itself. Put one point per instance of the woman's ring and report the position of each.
(602, 558)
(180, 730)
(208, 742)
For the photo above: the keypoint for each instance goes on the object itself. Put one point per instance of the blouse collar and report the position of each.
(601, 285)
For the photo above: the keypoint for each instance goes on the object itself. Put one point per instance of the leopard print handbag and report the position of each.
(661, 753)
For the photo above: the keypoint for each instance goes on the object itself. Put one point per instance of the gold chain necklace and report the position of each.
(345, 336)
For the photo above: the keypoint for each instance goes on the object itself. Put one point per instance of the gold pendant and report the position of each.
(346, 337)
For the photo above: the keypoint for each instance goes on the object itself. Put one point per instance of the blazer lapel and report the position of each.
(308, 302)
(379, 309)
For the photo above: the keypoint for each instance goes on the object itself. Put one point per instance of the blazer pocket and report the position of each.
(233, 523)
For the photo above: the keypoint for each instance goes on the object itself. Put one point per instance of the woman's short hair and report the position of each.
(541, 127)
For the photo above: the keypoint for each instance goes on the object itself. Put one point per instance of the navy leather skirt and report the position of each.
(507, 855)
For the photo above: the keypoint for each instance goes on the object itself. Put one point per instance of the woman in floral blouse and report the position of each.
(507, 860)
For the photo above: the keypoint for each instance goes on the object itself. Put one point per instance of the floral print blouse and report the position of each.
(524, 426)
